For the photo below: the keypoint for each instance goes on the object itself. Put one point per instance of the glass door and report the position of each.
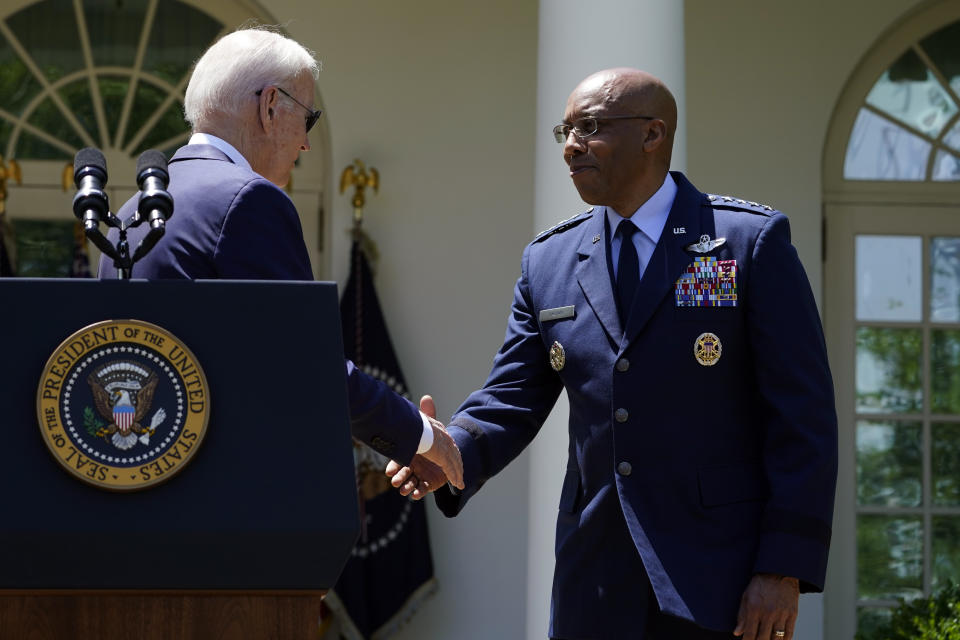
(893, 329)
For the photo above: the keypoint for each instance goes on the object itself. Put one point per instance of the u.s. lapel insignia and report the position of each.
(707, 349)
(558, 357)
(705, 244)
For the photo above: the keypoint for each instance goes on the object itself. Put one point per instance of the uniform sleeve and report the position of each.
(494, 424)
(797, 408)
(261, 238)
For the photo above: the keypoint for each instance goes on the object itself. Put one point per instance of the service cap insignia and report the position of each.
(123, 405)
(558, 356)
(707, 349)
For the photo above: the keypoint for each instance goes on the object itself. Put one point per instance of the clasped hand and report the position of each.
(432, 469)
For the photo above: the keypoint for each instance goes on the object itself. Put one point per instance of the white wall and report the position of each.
(440, 98)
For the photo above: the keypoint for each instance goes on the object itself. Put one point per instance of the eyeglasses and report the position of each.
(312, 114)
(583, 127)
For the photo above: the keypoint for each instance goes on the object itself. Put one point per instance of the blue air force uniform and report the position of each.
(702, 433)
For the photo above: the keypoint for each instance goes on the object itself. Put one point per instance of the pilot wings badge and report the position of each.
(705, 245)
(122, 393)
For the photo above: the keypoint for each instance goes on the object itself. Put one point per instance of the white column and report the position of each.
(576, 39)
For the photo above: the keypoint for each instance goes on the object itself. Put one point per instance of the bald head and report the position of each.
(624, 90)
(627, 156)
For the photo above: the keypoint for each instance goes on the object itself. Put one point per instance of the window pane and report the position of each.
(952, 138)
(869, 619)
(889, 557)
(889, 464)
(29, 146)
(945, 371)
(941, 47)
(148, 99)
(946, 550)
(76, 96)
(889, 280)
(946, 167)
(880, 150)
(113, 91)
(945, 280)
(909, 92)
(44, 248)
(50, 119)
(48, 30)
(17, 84)
(115, 29)
(945, 460)
(888, 370)
(180, 35)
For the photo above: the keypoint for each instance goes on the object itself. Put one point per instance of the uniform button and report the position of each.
(623, 364)
(621, 415)
(624, 468)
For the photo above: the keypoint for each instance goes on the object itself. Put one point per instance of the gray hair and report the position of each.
(234, 68)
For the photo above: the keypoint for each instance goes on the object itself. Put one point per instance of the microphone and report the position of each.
(156, 204)
(152, 178)
(90, 205)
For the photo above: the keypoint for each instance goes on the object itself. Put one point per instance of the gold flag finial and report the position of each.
(358, 176)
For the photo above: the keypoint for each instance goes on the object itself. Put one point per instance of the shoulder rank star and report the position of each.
(705, 245)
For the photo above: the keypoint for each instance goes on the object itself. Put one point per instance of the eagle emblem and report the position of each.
(123, 392)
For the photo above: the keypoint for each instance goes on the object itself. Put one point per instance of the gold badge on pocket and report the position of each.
(707, 349)
(558, 357)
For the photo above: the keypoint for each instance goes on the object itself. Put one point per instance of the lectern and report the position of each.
(124, 516)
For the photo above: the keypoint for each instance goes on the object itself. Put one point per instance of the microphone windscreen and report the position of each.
(89, 157)
(151, 159)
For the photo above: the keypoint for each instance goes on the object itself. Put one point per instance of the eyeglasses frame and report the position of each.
(558, 130)
(310, 119)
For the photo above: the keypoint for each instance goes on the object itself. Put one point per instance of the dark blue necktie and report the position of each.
(628, 270)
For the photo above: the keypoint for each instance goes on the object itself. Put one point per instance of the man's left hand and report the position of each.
(769, 604)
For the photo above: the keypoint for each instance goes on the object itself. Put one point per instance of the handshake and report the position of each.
(429, 471)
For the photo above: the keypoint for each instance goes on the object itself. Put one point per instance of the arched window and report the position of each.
(908, 127)
(892, 318)
(109, 74)
(101, 74)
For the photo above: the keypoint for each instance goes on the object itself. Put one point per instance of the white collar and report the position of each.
(223, 145)
(652, 215)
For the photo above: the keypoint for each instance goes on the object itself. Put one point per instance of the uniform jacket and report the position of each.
(232, 223)
(718, 471)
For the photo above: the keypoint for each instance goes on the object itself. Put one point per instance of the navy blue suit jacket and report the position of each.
(232, 223)
(709, 473)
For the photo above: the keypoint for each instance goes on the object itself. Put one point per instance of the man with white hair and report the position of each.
(249, 102)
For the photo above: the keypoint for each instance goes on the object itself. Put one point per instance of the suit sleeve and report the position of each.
(494, 424)
(797, 408)
(389, 423)
(261, 238)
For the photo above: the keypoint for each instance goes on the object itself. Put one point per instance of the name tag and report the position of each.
(556, 314)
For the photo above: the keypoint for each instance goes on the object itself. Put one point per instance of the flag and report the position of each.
(6, 248)
(390, 570)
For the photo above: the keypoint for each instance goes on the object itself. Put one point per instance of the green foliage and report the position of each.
(935, 618)
(90, 421)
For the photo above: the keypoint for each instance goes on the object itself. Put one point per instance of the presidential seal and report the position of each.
(123, 405)
(707, 349)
